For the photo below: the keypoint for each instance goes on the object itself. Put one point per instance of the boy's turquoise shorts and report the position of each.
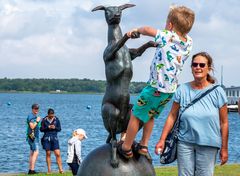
(150, 103)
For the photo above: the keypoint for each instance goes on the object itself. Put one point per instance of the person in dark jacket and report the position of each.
(51, 126)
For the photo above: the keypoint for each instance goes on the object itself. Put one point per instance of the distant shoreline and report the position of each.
(32, 92)
(69, 86)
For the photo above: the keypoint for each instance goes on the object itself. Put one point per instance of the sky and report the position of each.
(64, 39)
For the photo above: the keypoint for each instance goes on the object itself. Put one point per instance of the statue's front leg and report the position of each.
(136, 52)
(112, 48)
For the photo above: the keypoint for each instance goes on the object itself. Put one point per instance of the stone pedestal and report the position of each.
(97, 163)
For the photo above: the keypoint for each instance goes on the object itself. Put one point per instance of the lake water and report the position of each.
(72, 111)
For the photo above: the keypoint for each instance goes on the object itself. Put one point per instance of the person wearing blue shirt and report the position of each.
(33, 137)
(51, 126)
(203, 128)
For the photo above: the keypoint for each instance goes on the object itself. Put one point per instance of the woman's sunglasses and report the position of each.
(201, 65)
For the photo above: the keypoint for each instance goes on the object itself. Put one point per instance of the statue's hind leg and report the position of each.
(110, 115)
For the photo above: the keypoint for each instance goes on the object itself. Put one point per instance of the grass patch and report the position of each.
(66, 173)
(226, 170)
(169, 171)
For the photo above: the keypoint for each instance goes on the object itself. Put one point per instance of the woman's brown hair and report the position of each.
(210, 78)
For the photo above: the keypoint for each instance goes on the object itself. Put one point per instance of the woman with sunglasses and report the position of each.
(51, 126)
(203, 128)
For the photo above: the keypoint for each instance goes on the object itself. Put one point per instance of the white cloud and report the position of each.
(9, 9)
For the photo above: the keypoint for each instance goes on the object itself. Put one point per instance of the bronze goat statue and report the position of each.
(118, 69)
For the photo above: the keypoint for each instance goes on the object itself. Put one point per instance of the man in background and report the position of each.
(33, 136)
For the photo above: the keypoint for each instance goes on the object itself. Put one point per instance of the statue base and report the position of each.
(97, 163)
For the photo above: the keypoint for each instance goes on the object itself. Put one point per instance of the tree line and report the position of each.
(64, 85)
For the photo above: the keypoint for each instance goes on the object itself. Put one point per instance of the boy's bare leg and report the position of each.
(147, 131)
(132, 130)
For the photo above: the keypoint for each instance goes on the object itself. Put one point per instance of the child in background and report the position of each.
(74, 158)
(174, 46)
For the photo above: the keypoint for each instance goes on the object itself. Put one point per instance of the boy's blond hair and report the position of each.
(182, 18)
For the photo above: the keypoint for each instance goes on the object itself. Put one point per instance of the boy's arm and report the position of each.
(145, 30)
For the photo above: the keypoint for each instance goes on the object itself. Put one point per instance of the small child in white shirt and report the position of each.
(74, 158)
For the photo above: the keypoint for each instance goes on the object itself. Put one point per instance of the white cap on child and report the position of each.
(81, 131)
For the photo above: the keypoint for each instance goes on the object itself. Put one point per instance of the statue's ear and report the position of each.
(98, 8)
(122, 7)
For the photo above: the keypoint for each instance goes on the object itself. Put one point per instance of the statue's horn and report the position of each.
(122, 7)
(98, 8)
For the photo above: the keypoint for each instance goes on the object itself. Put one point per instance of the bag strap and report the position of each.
(198, 98)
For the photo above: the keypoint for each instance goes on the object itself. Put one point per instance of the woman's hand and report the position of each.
(159, 147)
(51, 126)
(223, 156)
(167, 127)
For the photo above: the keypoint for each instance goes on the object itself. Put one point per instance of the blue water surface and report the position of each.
(74, 111)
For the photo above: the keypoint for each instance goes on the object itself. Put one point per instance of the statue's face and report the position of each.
(113, 15)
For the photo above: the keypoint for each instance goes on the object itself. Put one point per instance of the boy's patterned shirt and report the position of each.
(168, 60)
